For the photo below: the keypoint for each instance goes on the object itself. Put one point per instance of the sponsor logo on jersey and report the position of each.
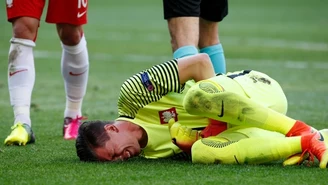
(166, 115)
(146, 81)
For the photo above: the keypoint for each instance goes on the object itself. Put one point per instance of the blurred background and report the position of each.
(286, 39)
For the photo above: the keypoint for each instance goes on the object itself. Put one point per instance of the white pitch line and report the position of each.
(267, 42)
(226, 40)
(276, 43)
(103, 57)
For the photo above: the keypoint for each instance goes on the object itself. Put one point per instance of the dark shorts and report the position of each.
(211, 10)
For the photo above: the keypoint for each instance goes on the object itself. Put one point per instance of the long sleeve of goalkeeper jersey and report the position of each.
(148, 86)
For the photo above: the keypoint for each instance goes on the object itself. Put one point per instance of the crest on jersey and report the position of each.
(9, 3)
(166, 115)
(146, 81)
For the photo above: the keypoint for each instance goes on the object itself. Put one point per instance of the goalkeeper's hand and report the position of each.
(183, 136)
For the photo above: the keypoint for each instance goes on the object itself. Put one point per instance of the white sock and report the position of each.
(21, 77)
(75, 71)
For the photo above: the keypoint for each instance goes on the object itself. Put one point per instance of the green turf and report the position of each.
(286, 39)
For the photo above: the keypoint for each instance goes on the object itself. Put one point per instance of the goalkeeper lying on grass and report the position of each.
(187, 93)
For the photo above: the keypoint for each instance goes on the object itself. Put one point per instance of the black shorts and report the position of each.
(211, 10)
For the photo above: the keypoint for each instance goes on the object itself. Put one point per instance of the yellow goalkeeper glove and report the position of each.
(183, 136)
(295, 159)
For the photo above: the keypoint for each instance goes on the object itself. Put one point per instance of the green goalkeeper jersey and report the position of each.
(154, 96)
(150, 99)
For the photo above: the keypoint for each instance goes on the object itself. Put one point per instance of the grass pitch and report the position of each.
(286, 39)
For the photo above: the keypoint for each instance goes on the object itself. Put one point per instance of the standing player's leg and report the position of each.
(257, 146)
(25, 18)
(69, 18)
(233, 106)
(212, 12)
(183, 19)
(209, 43)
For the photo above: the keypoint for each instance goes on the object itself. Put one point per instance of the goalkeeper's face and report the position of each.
(121, 145)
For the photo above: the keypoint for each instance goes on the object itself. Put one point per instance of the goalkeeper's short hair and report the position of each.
(92, 134)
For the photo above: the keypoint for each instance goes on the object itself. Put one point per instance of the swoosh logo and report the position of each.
(236, 159)
(76, 74)
(15, 72)
(321, 137)
(222, 110)
(79, 15)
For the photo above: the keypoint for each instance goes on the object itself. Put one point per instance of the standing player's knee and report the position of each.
(25, 28)
(69, 34)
